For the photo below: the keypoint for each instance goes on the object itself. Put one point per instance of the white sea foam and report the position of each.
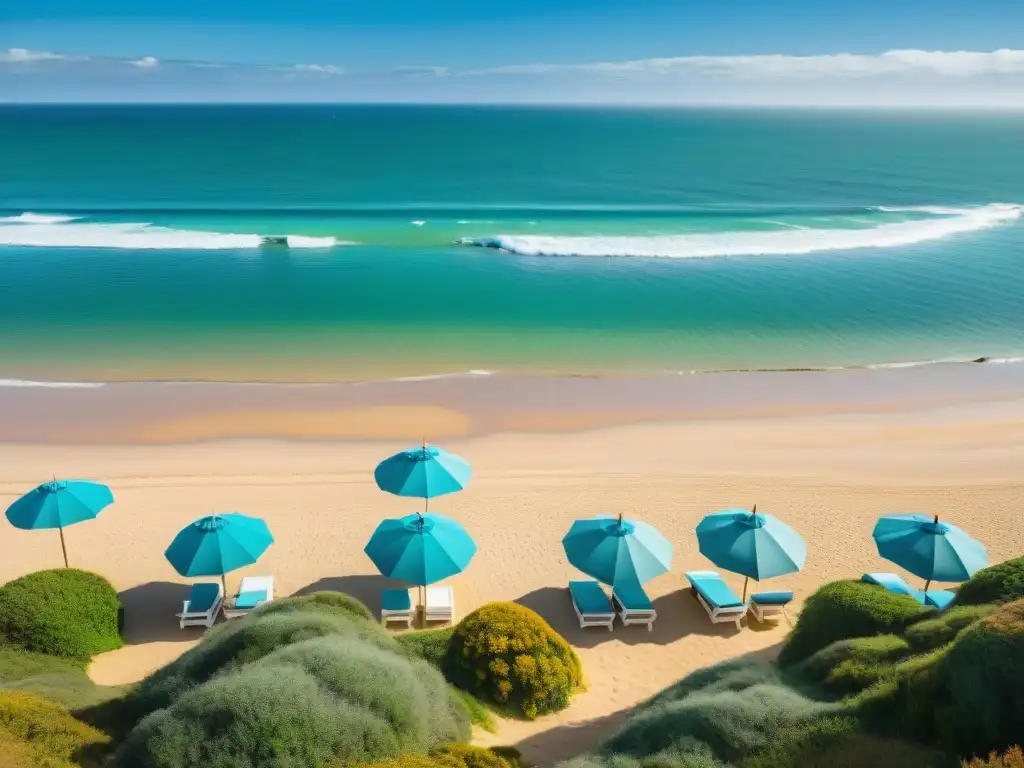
(57, 232)
(25, 383)
(946, 222)
(417, 223)
(435, 376)
(37, 218)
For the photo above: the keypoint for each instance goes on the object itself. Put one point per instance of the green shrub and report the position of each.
(241, 642)
(731, 723)
(1011, 758)
(933, 633)
(478, 713)
(46, 734)
(843, 610)
(430, 645)
(300, 687)
(1002, 583)
(983, 673)
(701, 758)
(54, 678)
(509, 654)
(318, 602)
(448, 756)
(63, 612)
(837, 742)
(838, 665)
(15, 753)
(902, 701)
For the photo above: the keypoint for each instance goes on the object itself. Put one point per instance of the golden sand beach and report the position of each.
(827, 472)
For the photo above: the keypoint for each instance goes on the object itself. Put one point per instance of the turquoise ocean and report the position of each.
(426, 241)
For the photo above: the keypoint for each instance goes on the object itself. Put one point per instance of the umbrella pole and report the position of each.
(224, 585)
(745, 580)
(63, 548)
(927, 584)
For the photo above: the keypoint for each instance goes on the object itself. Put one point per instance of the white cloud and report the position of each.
(422, 71)
(838, 65)
(146, 62)
(319, 69)
(25, 56)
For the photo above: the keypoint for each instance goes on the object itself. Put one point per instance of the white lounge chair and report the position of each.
(770, 605)
(253, 592)
(202, 605)
(634, 605)
(720, 602)
(592, 606)
(397, 605)
(440, 604)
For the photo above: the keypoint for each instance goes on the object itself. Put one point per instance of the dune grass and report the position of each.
(57, 679)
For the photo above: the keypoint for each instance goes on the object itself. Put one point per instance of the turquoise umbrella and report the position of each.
(218, 544)
(420, 549)
(58, 504)
(613, 550)
(933, 550)
(752, 544)
(422, 472)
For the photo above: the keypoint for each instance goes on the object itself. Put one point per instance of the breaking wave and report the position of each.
(54, 231)
(942, 223)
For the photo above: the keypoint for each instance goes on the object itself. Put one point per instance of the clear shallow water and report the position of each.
(430, 240)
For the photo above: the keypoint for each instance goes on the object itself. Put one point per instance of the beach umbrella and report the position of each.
(422, 472)
(933, 550)
(58, 504)
(218, 544)
(750, 543)
(613, 550)
(420, 549)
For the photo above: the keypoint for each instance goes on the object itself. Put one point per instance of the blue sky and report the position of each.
(555, 51)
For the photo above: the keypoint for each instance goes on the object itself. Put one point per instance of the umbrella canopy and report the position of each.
(613, 550)
(420, 549)
(751, 543)
(422, 472)
(218, 544)
(933, 550)
(58, 504)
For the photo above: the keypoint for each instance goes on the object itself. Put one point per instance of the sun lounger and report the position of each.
(396, 605)
(939, 598)
(202, 605)
(767, 605)
(253, 592)
(440, 604)
(936, 598)
(593, 608)
(720, 602)
(634, 605)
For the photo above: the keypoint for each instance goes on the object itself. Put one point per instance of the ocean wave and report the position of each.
(37, 218)
(37, 230)
(25, 383)
(949, 361)
(945, 222)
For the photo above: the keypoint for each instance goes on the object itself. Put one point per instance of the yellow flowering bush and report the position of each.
(510, 655)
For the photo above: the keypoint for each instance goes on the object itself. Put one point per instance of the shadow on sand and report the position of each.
(149, 613)
(679, 615)
(365, 587)
(564, 742)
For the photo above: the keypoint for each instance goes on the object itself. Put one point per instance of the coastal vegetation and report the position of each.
(63, 612)
(865, 678)
(511, 656)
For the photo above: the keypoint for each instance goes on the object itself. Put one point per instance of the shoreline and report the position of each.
(476, 404)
